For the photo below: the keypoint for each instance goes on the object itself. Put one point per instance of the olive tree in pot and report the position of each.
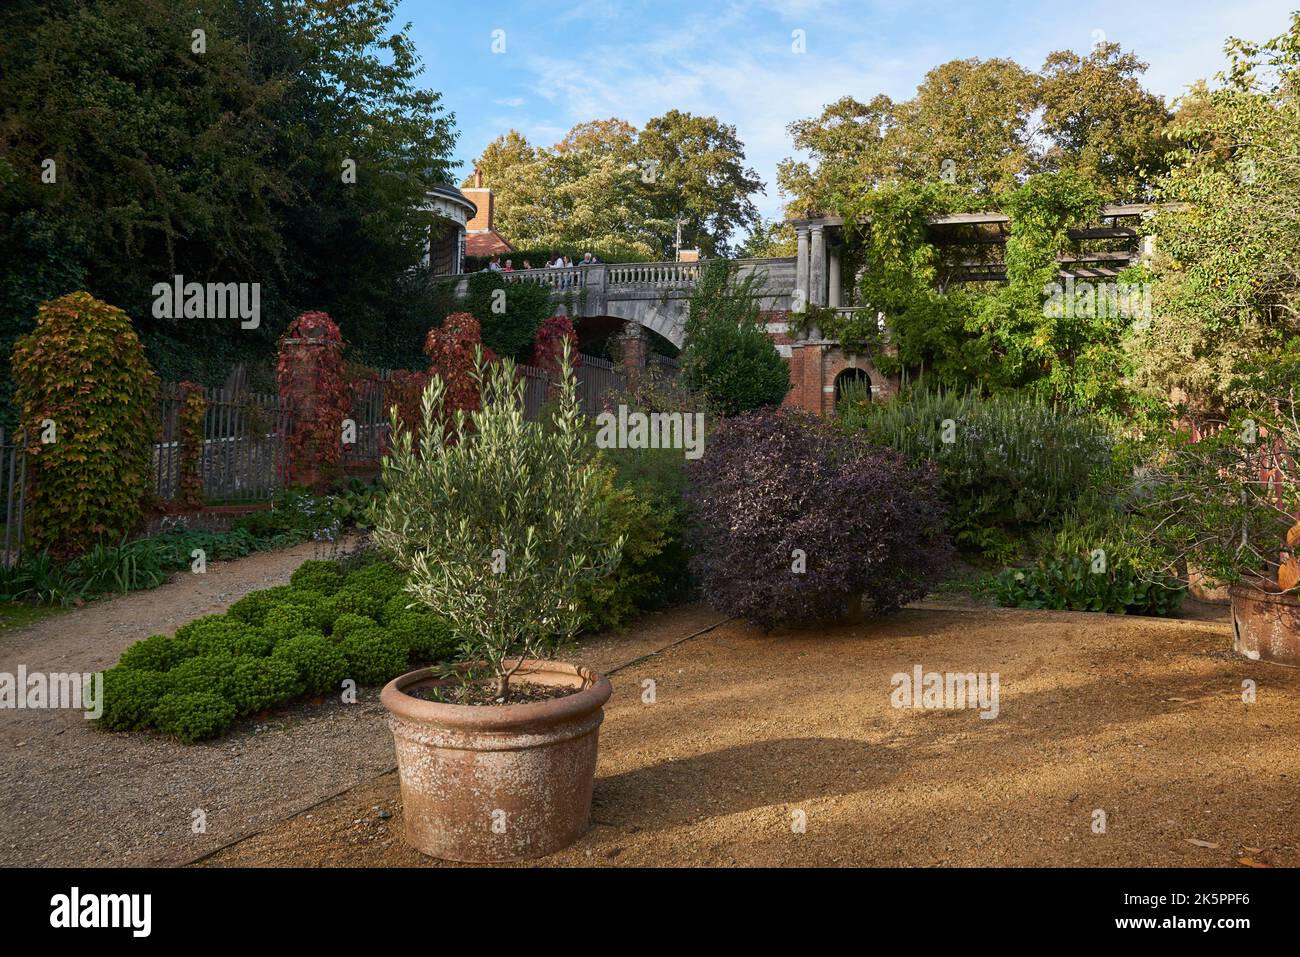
(497, 522)
(1225, 502)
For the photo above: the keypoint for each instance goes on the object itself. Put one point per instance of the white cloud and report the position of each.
(735, 61)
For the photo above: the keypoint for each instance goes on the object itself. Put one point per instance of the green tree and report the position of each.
(728, 357)
(221, 165)
(984, 125)
(847, 141)
(697, 175)
(1100, 122)
(609, 188)
(499, 522)
(1229, 242)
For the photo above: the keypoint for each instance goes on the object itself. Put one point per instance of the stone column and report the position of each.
(800, 299)
(817, 266)
(833, 292)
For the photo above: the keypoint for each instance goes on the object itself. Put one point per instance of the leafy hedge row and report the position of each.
(305, 638)
(1074, 584)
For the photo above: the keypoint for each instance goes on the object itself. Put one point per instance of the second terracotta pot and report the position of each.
(484, 783)
(1265, 625)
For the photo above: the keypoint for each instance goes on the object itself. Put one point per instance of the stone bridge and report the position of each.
(650, 295)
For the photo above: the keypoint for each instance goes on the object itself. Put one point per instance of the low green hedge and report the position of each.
(329, 624)
(1071, 584)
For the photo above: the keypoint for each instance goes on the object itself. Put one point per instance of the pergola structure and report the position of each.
(973, 248)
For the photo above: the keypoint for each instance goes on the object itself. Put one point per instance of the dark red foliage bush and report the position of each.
(451, 349)
(772, 482)
(548, 345)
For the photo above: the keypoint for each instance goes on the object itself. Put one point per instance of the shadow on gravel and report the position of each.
(741, 778)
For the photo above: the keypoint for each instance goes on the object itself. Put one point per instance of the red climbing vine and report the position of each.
(311, 374)
(548, 345)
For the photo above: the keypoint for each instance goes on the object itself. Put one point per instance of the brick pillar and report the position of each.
(301, 361)
(806, 361)
(634, 347)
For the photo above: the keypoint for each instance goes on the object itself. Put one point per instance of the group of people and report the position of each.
(560, 261)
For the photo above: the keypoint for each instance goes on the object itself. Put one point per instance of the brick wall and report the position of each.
(814, 366)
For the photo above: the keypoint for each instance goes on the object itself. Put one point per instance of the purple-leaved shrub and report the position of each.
(794, 521)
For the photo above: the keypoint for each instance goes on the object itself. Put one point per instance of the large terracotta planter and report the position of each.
(1265, 626)
(485, 783)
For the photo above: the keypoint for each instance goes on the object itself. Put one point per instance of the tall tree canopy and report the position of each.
(218, 156)
(1229, 242)
(984, 126)
(619, 191)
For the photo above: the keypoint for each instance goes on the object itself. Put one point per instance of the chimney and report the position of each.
(478, 178)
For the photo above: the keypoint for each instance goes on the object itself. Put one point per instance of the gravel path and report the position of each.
(1141, 719)
(71, 794)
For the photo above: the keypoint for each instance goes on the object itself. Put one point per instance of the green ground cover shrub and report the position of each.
(1080, 584)
(273, 646)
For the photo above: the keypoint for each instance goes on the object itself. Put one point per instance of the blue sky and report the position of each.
(568, 61)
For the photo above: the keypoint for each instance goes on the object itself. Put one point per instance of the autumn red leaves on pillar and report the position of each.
(311, 375)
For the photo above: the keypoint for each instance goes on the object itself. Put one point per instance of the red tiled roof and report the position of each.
(487, 243)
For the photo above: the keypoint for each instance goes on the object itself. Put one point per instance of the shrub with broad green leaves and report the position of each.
(1078, 584)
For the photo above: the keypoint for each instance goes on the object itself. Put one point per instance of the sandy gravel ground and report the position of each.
(71, 794)
(1141, 719)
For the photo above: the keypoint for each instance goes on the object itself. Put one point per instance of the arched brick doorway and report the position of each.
(854, 381)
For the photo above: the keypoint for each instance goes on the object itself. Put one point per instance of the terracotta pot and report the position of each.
(1265, 626)
(1206, 589)
(485, 783)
